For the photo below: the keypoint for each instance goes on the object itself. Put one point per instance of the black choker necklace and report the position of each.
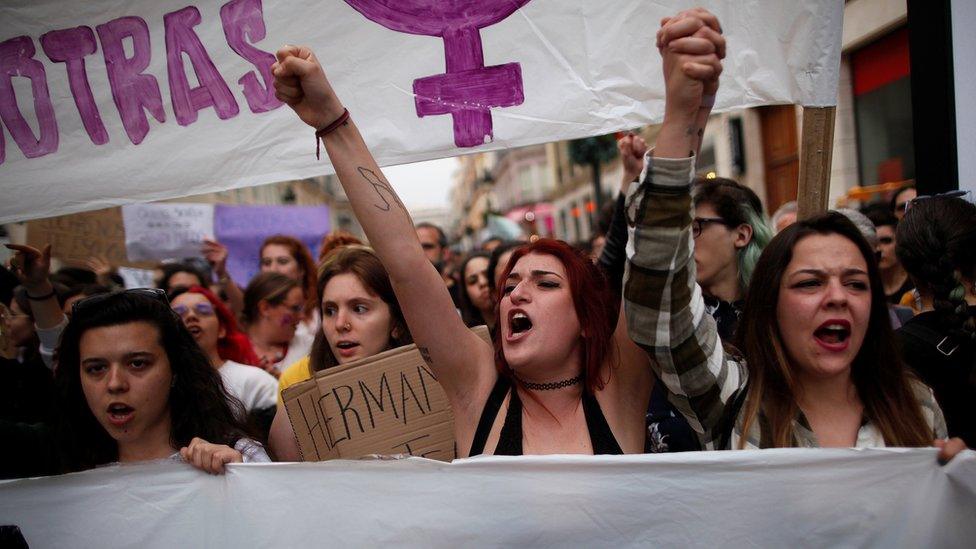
(551, 385)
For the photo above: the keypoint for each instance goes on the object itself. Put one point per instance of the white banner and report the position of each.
(118, 101)
(768, 498)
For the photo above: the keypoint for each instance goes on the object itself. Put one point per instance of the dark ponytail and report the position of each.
(937, 247)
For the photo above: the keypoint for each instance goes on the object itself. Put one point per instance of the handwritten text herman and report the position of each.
(348, 411)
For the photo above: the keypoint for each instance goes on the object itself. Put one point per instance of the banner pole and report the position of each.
(816, 147)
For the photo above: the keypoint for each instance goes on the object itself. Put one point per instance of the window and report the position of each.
(883, 110)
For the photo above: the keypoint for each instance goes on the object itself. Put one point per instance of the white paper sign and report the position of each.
(884, 498)
(137, 278)
(113, 102)
(166, 231)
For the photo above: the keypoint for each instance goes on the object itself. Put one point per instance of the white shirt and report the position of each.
(298, 349)
(254, 387)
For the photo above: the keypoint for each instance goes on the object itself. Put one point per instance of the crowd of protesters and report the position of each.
(692, 323)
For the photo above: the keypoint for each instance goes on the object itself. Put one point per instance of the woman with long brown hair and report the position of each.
(360, 318)
(817, 366)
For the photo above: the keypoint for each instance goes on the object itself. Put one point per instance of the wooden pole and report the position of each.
(816, 146)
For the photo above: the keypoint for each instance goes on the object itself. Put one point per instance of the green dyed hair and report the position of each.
(737, 205)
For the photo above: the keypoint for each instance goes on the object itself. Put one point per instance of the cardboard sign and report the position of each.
(389, 403)
(166, 231)
(75, 238)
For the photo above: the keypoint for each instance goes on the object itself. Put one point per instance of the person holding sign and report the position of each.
(820, 367)
(282, 254)
(560, 378)
(360, 318)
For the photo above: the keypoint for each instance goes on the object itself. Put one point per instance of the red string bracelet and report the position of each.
(319, 134)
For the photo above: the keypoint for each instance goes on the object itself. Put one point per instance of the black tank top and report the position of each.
(510, 438)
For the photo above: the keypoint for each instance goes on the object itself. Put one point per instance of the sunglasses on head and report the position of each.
(82, 305)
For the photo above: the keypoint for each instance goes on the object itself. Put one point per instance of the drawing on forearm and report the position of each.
(425, 353)
(379, 186)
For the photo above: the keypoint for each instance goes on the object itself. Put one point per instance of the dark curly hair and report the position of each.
(937, 247)
(171, 269)
(199, 405)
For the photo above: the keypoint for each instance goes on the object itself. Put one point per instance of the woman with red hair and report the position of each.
(559, 379)
(213, 327)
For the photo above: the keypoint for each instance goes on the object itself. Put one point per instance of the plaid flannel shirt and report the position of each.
(666, 316)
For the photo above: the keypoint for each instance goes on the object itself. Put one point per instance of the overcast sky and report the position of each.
(423, 184)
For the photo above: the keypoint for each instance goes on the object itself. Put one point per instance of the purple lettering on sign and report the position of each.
(133, 92)
(71, 46)
(468, 90)
(243, 20)
(17, 59)
(180, 39)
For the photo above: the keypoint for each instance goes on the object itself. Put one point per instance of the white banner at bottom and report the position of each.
(767, 498)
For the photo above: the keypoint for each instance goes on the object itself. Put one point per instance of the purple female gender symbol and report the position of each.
(468, 90)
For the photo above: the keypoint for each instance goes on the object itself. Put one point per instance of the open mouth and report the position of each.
(833, 332)
(347, 348)
(519, 323)
(119, 413)
(194, 330)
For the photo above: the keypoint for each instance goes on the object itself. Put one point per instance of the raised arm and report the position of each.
(32, 267)
(216, 254)
(461, 361)
(664, 306)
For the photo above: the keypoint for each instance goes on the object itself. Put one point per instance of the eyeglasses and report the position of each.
(201, 309)
(698, 223)
(153, 293)
(965, 195)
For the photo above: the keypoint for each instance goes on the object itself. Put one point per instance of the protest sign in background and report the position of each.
(761, 498)
(244, 228)
(137, 278)
(166, 231)
(114, 102)
(78, 237)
